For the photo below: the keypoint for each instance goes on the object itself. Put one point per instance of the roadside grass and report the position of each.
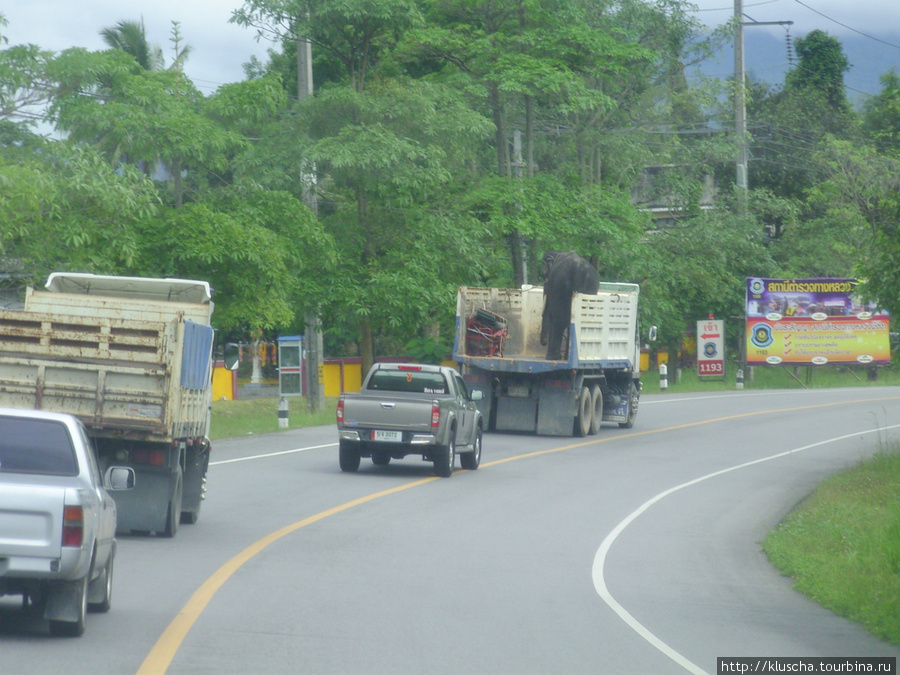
(841, 547)
(770, 377)
(253, 416)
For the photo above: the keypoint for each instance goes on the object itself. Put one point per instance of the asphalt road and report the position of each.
(633, 551)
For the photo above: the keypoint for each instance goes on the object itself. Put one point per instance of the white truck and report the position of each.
(498, 348)
(131, 358)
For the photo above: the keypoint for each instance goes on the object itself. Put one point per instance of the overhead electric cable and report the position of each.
(871, 37)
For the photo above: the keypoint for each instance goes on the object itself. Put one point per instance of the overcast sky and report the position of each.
(220, 48)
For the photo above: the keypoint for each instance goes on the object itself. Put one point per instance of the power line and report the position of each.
(825, 16)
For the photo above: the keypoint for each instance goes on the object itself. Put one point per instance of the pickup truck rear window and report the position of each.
(36, 446)
(408, 381)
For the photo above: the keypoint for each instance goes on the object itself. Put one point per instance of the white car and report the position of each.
(57, 520)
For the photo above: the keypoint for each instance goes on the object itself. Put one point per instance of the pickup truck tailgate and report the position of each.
(397, 413)
(30, 521)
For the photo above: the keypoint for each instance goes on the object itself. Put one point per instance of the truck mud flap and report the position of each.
(146, 507)
(516, 414)
(556, 412)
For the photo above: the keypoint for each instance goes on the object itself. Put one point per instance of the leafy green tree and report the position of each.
(149, 118)
(787, 124)
(24, 89)
(858, 202)
(262, 251)
(881, 119)
(67, 208)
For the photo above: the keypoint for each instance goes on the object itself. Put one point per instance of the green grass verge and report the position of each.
(770, 377)
(248, 417)
(841, 547)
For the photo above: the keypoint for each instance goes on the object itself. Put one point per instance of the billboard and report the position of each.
(813, 321)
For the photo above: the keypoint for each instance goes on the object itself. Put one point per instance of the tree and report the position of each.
(147, 118)
(130, 37)
(789, 123)
(24, 89)
(262, 251)
(881, 119)
(66, 208)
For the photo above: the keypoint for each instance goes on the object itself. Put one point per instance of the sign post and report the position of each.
(711, 348)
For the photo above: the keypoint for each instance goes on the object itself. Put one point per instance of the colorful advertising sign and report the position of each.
(813, 321)
(711, 347)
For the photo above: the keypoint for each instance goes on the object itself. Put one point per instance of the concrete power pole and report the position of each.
(315, 387)
(740, 108)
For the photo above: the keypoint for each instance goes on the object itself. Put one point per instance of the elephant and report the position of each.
(565, 273)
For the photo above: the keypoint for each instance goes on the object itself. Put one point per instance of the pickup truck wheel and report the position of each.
(73, 628)
(349, 456)
(583, 417)
(106, 580)
(445, 458)
(631, 411)
(471, 460)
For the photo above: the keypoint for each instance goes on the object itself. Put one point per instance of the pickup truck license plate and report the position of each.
(389, 436)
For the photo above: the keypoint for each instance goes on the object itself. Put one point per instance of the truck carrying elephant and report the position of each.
(565, 273)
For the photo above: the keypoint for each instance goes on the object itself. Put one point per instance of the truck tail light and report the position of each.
(435, 416)
(340, 411)
(151, 457)
(73, 526)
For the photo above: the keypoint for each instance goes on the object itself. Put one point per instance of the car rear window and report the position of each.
(408, 381)
(36, 446)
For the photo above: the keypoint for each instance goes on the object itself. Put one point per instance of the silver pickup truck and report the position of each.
(57, 521)
(410, 409)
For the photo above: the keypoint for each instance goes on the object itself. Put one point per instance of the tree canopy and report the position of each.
(448, 144)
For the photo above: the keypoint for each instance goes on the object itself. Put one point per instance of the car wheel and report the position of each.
(471, 460)
(74, 628)
(445, 458)
(349, 456)
(582, 423)
(106, 580)
(381, 458)
(631, 411)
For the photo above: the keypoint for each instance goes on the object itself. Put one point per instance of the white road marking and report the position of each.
(600, 557)
(272, 454)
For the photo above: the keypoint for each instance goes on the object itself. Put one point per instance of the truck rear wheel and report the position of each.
(583, 417)
(445, 457)
(174, 516)
(596, 408)
(349, 456)
(631, 411)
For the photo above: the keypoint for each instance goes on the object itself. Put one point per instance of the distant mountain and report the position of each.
(766, 60)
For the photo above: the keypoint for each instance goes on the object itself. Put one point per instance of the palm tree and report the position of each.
(129, 36)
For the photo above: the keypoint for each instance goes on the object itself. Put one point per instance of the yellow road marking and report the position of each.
(162, 653)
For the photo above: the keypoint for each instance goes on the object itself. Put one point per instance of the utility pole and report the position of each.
(740, 104)
(517, 170)
(740, 109)
(315, 387)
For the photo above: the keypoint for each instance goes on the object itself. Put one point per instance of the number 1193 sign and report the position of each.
(711, 348)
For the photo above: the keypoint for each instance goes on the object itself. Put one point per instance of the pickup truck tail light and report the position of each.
(340, 411)
(435, 416)
(73, 526)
